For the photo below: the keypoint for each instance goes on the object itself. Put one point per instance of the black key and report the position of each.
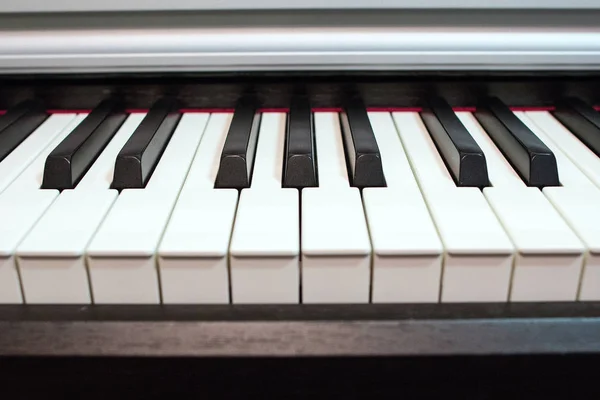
(71, 159)
(463, 157)
(582, 120)
(237, 157)
(529, 156)
(300, 163)
(140, 155)
(18, 123)
(362, 152)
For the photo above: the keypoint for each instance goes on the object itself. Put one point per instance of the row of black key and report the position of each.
(300, 163)
(529, 156)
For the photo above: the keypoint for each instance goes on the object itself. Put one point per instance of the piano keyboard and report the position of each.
(301, 205)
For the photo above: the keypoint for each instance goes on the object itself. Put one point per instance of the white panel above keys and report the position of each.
(52, 256)
(122, 254)
(407, 251)
(335, 243)
(265, 245)
(21, 205)
(478, 253)
(193, 252)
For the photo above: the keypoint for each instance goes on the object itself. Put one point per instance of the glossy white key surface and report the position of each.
(174, 164)
(579, 154)
(121, 256)
(194, 250)
(396, 168)
(427, 165)
(265, 247)
(332, 170)
(68, 225)
(28, 150)
(193, 253)
(268, 161)
(407, 252)
(579, 208)
(52, 256)
(532, 222)
(19, 211)
(336, 249)
(204, 168)
(478, 252)
(21, 205)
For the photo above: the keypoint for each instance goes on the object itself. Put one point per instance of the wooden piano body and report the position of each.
(396, 54)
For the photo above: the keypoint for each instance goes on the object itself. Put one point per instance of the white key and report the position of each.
(122, 254)
(28, 150)
(579, 206)
(265, 246)
(21, 205)
(332, 171)
(577, 200)
(550, 256)
(193, 254)
(571, 146)
(336, 249)
(478, 253)
(550, 259)
(52, 256)
(407, 251)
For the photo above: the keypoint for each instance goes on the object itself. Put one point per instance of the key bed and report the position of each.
(406, 229)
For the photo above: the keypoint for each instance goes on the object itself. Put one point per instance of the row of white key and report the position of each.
(420, 239)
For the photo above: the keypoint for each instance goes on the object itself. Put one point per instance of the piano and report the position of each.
(300, 198)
